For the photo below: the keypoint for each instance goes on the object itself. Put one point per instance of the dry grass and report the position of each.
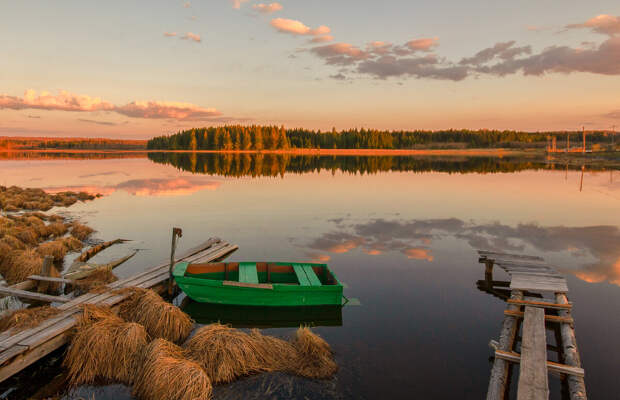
(13, 242)
(81, 231)
(104, 348)
(160, 318)
(22, 263)
(15, 198)
(95, 281)
(57, 229)
(72, 244)
(315, 359)
(56, 249)
(166, 375)
(27, 318)
(225, 353)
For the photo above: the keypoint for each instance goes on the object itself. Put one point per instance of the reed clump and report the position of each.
(96, 281)
(27, 318)
(226, 353)
(160, 318)
(166, 375)
(56, 248)
(81, 231)
(15, 198)
(314, 356)
(104, 348)
(21, 264)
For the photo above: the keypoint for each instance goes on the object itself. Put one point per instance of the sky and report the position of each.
(137, 69)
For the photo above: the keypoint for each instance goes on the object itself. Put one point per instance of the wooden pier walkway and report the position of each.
(531, 279)
(24, 348)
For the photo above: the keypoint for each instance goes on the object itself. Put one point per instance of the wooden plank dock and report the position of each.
(17, 351)
(531, 278)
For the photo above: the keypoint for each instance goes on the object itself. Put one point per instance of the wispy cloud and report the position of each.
(191, 36)
(322, 39)
(170, 34)
(267, 8)
(66, 101)
(92, 121)
(604, 24)
(294, 27)
(236, 4)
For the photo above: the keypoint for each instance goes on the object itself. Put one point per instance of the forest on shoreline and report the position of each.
(256, 137)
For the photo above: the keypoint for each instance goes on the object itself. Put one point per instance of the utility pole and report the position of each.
(583, 129)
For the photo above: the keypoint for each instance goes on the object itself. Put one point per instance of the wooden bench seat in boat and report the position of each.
(305, 275)
(248, 273)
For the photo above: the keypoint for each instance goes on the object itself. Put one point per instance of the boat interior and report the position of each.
(263, 272)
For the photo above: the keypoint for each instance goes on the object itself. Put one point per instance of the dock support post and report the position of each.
(499, 372)
(175, 232)
(576, 384)
(45, 271)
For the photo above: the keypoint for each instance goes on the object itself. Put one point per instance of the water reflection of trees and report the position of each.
(252, 164)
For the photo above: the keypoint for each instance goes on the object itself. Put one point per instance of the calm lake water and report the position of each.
(401, 232)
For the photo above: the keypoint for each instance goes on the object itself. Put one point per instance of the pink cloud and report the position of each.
(419, 254)
(170, 34)
(604, 24)
(340, 53)
(267, 8)
(318, 258)
(424, 44)
(295, 27)
(66, 101)
(322, 39)
(236, 4)
(163, 109)
(191, 36)
(180, 186)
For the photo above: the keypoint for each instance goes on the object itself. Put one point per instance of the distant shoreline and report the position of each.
(499, 152)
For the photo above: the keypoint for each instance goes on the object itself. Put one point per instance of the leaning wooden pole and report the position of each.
(576, 384)
(499, 372)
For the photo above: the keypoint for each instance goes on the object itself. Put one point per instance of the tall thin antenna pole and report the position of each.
(583, 129)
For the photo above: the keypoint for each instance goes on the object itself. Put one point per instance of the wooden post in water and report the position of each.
(45, 271)
(499, 373)
(576, 384)
(583, 129)
(175, 232)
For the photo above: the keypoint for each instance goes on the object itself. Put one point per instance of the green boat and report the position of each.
(259, 283)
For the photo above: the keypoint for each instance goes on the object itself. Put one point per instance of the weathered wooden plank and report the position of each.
(538, 283)
(24, 294)
(498, 254)
(50, 279)
(576, 384)
(499, 372)
(11, 352)
(16, 338)
(551, 366)
(27, 358)
(543, 304)
(248, 285)
(46, 270)
(549, 318)
(533, 377)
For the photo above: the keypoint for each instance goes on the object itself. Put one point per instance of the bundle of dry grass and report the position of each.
(95, 281)
(72, 244)
(226, 353)
(13, 242)
(27, 318)
(160, 318)
(104, 348)
(21, 264)
(81, 231)
(166, 375)
(56, 249)
(57, 229)
(315, 359)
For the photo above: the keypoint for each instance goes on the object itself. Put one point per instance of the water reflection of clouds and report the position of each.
(414, 239)
(177, 186)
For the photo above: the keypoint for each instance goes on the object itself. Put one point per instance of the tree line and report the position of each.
(256, 137)
(42, 143)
